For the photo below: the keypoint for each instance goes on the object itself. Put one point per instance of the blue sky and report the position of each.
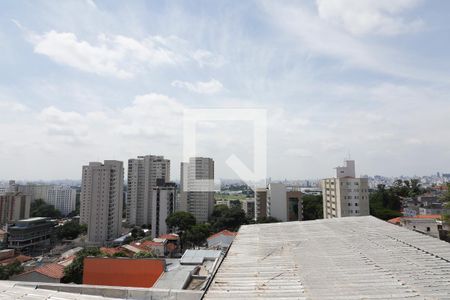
(94, 80)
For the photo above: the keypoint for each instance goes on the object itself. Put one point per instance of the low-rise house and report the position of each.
(426, 224)
(221, 240)
(172, 245)
(158, 248)
(51, 273)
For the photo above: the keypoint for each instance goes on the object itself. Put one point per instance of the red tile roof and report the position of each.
(109, 251)
(52, 270)
(146, 245)
(170, 236)
(398, 219)
(21, 258)
(223, 232)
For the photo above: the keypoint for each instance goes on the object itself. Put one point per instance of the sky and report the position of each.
(92, 80)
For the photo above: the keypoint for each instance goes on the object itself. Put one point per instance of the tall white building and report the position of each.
(345, 195)
(197, 187)
(101, 200)
(143, 174)
(62, 198)
(279, 201)
(163, 204)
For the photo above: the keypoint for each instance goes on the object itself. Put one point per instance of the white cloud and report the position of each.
(201, 87)
(151, 116)
(14, 106)
(319, 37)
(361, 17)
(117, 55)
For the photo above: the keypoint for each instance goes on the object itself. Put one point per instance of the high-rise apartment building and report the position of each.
(279, 201)
(14, 206)
(63, 198)
(101, 200)
(197, 187)
(345, 195)
(36, 191)
(163, 204)
(143, 174)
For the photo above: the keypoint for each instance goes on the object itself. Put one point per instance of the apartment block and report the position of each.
(14, 206)
(197, 187)
(62, 198)
(143, 174)
(279, 201)
(101, 200)
(345, 195)
(163, 204)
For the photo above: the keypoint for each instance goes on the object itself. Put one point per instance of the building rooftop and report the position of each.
(398, 219)
(341, 258)
(52, 270)
(223, 232)
(198, 256)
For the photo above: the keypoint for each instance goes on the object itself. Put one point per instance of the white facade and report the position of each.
(62, 198)
(101, 200)
(279, 201)
(276, 201)
(164, 199)
(345, 195)
(143, 173)
(197, 197)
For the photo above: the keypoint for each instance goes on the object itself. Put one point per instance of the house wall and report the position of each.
(122, 271)
(35, 277)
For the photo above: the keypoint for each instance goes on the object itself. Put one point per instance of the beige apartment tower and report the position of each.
(14, 206)
(101, 200)
(279, 201)
(143, 174)
(197, 188)
(345, 195)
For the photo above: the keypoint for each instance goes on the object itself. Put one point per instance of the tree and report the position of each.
(218, 211)
(197, 235)
(145, 254)
(312, 207)
(70, 230)
(74, 271)
(227, 218)
(119, 254)
(41, 209)
(267, 220)
(9, 270)
(445, 198)
(137, 233)
(385, 203)
(181, 221)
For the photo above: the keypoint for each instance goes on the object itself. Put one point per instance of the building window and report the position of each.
(428, 229)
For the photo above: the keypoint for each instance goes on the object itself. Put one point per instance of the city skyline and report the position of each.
(91, 80)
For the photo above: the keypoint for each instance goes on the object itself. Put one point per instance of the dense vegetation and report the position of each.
(385, 203)
(9, 270)
(312, 207)
(39, 208)
(70, 230)
(73, 273)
